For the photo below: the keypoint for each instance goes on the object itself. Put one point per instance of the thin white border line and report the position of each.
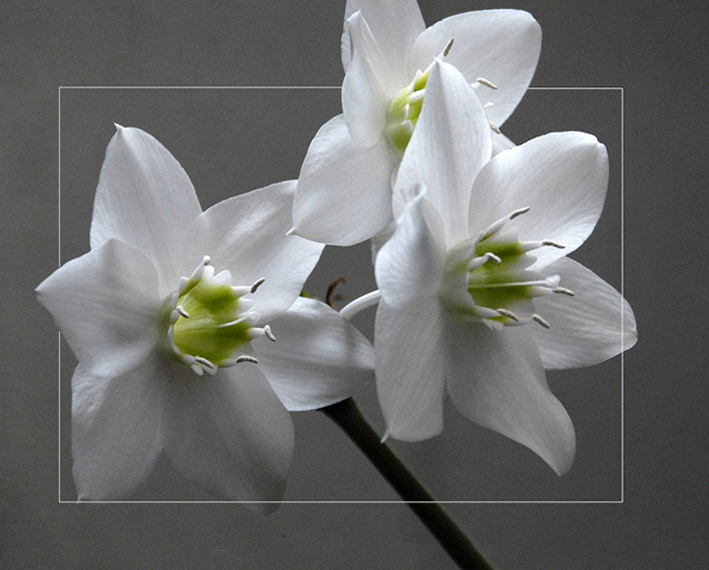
(364, 502)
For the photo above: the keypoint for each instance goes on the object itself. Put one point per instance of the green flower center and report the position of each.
(207, 322)
(488, 278)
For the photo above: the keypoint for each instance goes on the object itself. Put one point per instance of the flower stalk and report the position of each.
(348, 417)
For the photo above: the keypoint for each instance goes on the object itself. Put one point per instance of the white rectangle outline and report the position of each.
(325, 502)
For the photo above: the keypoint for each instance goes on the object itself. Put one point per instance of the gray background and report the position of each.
(231, 141)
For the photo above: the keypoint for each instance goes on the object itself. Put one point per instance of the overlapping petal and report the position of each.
(246, 234)
(594, 325)
(561, 177)
(496, 379)
(344, 191)
(410, 371)
(450, 145)
(409, 267)
(106, 304)
(318, 359)
(230, 434)
(395, 23)
(116, 430)
(501, 46)
(144, 198)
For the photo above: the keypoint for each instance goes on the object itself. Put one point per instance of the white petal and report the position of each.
(246, 234)
(230, 434)
(450, 145)
(344, 191)
(592, 326)
(410, 371)
(365, 90)
(561, 177)
(500, 142)
(496, 379)
(395, 25)
(115, 428)
(145, 199)
(318, 358)
(106, 305)
(501, 46)
(409, 266)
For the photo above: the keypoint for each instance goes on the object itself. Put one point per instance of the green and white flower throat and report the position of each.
(405, 108)
(487, 279)
(207, 323)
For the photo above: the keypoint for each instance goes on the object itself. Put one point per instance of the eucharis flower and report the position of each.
(190, 332)
(344, 189)
(477, 294)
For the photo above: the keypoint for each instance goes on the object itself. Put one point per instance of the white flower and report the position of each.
(344, 189)
(477, 294)
(169, 293)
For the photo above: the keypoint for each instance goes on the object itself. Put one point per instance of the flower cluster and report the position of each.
(189, 329)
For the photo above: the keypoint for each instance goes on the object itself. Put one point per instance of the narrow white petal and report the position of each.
(594, 325)
(106, 305)
(365, 92)
(229, 434)
(395, 25)
(246, 235)
(116, 431)
(410, 371)
(344, 191)
(496, 379)
(318, 358)
(501, 46)
(561, 177)
(450, 145)
(145, 199)
(409, 267)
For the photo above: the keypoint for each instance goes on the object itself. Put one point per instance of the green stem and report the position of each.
(347, 416)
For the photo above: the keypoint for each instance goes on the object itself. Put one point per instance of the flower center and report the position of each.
(488, 278)
(207, 322)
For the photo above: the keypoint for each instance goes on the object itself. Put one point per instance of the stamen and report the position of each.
(232, 323)
(564, 291)
(204, 362)
(519, 212)
(245, 358)
(495, 258)
(416, 96)
(180, 309)
(541, 321)
(257, 284)
(508, 314)
(487, 105)
(495, 128)
(269, 335)
(477, 262)
(553, 244)
(448, 47)
(486, 83)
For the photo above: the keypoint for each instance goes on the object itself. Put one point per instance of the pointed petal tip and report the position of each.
(119, 128)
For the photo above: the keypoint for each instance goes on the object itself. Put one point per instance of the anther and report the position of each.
(245, 358)
(448, 47)
(541, 321)
(508, 314)
(486, 83)
(495, 128)
(564, 291)
(487, 105)
(553, 244)
(180, 309)
(257, 284)
(204, 362)
(519, 212)
(495, 258)
(269, 335)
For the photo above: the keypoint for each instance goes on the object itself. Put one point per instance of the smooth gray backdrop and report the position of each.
(639, 506)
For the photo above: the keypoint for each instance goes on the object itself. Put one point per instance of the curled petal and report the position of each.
(246, 234)
(144, 198)
(561, 177)
(344, 191)
(594, 325)
(496, 379)
(230, 434)
(318, 358)
(409, 267)
(106, 305)
(409, 364)
(501, 46)
(116, 430)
